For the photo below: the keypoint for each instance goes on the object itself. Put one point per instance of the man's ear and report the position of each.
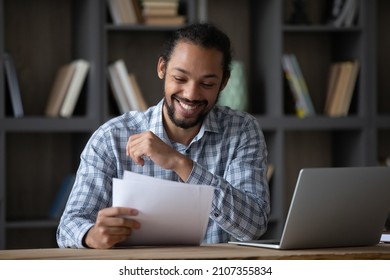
(161, 67)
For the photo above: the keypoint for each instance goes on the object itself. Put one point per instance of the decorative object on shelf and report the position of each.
(13, 85)
(235, 94)
(299, 15)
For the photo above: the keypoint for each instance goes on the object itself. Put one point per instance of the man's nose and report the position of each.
(191, 91)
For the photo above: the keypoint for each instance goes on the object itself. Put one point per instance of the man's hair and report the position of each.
(204, 35)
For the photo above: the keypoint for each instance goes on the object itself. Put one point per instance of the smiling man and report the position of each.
(185, 137)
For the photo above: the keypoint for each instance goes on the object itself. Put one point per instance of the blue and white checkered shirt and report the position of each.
(229, 153)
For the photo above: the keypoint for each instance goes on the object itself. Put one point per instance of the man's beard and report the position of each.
(185, 124)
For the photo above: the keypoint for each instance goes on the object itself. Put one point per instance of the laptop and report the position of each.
(334, 207)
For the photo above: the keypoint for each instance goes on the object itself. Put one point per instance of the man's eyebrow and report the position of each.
(187, 73)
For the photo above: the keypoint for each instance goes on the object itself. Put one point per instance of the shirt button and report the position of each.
(216, 215)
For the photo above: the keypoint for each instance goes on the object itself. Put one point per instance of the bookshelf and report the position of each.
(44, 35)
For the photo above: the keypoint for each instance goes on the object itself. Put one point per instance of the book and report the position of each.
(59, 89)
(124, 11)
(297, 84)
(160, 8)
(165, 20)
(303, 86)
(341, 85)
(126, 90)
(125, 82)
(13, 85)
(117, 89)
(59, 202)
(352, 69)
(114, 9)
(165, 12)
(80, 73)
(137, 90)
(137, 9)
(159, 11)
(340, 89)
(332, 81)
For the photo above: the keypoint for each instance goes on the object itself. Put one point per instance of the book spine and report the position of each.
(13, 86)
(302, 85)
(117, 89)
(75, 87)
(294, 86)
(128, 89)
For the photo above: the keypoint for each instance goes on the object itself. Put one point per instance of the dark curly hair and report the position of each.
(205, 35)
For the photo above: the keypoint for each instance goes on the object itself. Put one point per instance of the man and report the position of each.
(185, 137)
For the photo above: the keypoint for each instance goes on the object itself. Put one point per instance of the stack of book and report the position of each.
(125, 88)
(66, 89)
(341, 85)
(162, 12)
(292, 71)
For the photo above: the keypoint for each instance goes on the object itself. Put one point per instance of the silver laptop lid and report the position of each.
(333, 207)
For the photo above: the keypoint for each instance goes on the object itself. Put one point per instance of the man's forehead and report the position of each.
(186, 52)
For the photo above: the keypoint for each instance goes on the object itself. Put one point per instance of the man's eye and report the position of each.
(208, 85)
(179, 79)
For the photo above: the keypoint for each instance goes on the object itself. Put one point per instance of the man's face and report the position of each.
(193, 80)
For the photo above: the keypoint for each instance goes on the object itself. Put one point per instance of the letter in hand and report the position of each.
(112, 226)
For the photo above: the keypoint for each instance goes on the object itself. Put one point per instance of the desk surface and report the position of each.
(204, 252)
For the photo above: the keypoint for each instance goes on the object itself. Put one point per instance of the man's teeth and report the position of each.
(186, 106)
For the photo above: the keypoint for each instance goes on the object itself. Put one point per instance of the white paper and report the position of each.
(170, 213)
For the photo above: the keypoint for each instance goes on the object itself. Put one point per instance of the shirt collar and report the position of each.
(210, 123)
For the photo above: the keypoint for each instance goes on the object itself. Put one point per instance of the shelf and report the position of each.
(42, 223)
(42, 124)
(141, 27)
(311, 123)
(320, 28)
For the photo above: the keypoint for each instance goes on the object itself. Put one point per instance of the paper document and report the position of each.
(170, 213)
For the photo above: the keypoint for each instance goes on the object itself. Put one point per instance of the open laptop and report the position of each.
(335, 207)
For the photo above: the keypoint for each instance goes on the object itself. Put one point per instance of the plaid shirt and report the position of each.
(229, 153)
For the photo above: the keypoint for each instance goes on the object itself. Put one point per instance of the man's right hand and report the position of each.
(111, 227)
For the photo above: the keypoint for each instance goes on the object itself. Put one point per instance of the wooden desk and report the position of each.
(204, 252)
